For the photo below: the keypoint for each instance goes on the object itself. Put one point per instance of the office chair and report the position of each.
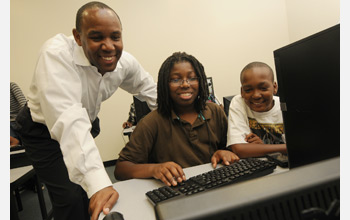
(227, 102)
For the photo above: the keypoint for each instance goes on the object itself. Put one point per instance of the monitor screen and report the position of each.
(308, 76)
(141, 108)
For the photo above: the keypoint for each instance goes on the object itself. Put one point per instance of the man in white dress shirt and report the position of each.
(73, 76)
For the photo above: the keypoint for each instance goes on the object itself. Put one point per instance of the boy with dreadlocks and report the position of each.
(184, 131)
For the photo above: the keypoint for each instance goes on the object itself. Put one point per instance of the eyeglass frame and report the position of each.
(191, 81)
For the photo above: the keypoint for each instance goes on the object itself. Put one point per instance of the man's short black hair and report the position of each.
(90, 5)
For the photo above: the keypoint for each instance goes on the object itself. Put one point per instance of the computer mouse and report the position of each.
(114, 216)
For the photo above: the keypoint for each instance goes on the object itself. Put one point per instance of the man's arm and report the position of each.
(58, 89)
(56, 101)
(139, 81)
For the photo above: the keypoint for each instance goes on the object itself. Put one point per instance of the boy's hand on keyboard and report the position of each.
(227, 157)
(169, 173)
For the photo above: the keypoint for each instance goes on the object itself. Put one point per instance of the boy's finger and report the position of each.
(214, 161)
(164, 180)
(177, 172)
(170, 178)
(225, 161)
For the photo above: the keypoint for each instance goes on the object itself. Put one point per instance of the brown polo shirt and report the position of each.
(158, 139)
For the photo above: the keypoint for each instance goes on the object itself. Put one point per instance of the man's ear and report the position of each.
(275, 88)
(241, 90)
(76, 36)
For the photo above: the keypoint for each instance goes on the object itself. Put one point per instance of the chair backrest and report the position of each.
(141, 108)
(227, 102)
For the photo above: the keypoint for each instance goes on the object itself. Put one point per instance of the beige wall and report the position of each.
(305, 17)
(224, 35)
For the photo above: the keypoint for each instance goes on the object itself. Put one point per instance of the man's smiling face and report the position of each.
(101, 38)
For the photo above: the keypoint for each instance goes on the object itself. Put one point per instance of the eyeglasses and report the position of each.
(179, 82)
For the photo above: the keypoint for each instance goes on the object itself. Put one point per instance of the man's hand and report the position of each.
(169, 173)
(102, 200)
(253, 139)
(227, 157)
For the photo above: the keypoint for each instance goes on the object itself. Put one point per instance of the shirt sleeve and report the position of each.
(18, 94)
(238, 125)
(60, 92)
(140, 82)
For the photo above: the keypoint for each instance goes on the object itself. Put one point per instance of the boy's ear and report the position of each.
(76, 36)
(241, 90)
(275, 88)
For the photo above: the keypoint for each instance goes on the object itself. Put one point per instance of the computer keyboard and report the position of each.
(244, 169)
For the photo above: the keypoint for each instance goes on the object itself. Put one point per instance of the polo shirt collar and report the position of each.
(206, 113)
(174, 116)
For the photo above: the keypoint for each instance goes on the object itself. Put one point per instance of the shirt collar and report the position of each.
(79, 56)
(174, 116)
(206, 113)
(80, 59)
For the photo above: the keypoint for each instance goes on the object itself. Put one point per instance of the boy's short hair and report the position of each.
(257, 64)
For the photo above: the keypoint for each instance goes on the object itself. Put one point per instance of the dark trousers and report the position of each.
(69, 200)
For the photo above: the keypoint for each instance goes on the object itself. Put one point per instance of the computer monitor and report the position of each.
(141, 107)
(308, 76)
(305, 192)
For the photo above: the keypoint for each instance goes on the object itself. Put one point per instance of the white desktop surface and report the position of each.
(16, 173)
(133, 203)
(17, 152)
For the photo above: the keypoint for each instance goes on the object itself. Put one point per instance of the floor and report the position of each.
(31, 209)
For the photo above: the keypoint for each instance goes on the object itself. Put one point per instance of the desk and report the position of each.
(133, 203)
(19, 176)
(18, 157)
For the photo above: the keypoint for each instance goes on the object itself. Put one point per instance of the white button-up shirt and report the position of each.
(66, 94)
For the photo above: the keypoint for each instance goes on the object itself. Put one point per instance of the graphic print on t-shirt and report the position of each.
(268, 133)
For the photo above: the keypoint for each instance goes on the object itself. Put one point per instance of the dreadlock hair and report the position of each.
(90, 5)
(165, 103)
